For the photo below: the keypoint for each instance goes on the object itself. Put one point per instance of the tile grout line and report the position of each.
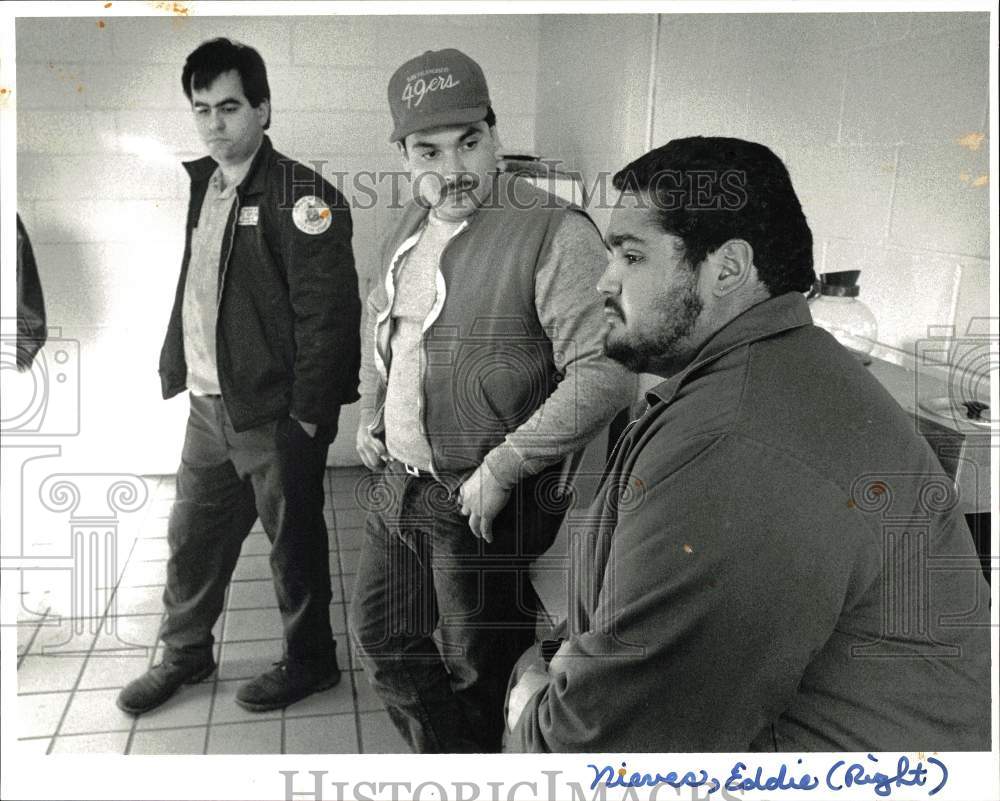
(215, 680)
(347, 636)
(349, 655)
(76, 683)
(153, 649)
(179, 727)
(357, 713)
(20, 661)
(281, 733)
(106, 687)
(222, 642)
(133, 730)
(163, 617)
(282, 740)
(34, 634)
(152, 655)
(86, 659)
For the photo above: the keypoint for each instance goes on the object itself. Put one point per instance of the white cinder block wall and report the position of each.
(881, 119)
(102, 128)
(593, 96)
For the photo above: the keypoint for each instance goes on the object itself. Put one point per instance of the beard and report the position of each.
(665, 346)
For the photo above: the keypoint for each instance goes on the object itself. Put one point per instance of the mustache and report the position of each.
(459, 186)
(609, 304)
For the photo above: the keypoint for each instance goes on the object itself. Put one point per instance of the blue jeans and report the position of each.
(440, 616)
(225, 481)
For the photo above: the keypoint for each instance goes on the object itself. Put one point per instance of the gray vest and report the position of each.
(489, 362)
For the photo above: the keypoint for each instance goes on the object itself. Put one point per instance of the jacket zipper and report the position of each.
(225, 262)
(421, 405)
(222, 281)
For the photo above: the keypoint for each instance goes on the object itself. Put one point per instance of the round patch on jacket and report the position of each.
(312, 215)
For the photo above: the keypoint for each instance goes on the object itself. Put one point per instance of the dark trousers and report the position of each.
(421, 570)
(226, 480)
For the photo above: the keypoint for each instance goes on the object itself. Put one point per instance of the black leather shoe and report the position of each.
(286, 683)
(159, 683)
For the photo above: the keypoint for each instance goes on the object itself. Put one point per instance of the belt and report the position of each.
(450, 481)
(409, 468)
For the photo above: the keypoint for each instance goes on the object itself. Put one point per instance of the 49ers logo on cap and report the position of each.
(440, 87)
(417, 86)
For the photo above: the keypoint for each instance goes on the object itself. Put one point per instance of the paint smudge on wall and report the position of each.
(68, 75)
(100, 23)
(979, 180)
(5, 95)
(972, 141)
(63, 73)
(180, 9)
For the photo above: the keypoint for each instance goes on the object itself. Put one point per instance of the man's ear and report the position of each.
(497, 144)
(733, 267)
(264, 113)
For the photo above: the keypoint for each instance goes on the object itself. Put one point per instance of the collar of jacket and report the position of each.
(763, 320)
(253, 183)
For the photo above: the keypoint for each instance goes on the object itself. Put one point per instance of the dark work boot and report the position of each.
(287, 682)
(159, 683)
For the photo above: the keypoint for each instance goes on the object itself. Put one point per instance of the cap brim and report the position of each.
(452, 116)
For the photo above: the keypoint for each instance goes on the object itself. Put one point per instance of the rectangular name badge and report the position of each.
(248, 215)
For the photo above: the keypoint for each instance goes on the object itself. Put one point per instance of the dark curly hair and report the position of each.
(212, 58)
(709, 189)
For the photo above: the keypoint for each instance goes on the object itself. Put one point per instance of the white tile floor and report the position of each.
(68, 676)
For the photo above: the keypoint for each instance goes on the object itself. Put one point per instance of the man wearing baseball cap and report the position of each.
(482, 375)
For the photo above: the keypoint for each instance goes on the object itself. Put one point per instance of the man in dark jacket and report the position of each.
(777, 560)
(265, 335)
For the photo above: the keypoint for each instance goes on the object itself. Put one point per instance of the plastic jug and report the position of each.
(835, 307)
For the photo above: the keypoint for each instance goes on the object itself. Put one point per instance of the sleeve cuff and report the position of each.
(505, 464)
(366, 406)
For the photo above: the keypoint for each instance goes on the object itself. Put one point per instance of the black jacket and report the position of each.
(31, 329)
(288, 330)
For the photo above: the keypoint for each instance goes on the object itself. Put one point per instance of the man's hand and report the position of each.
(482, 497)
(309, 428)
(371, 449)
(531, 681)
